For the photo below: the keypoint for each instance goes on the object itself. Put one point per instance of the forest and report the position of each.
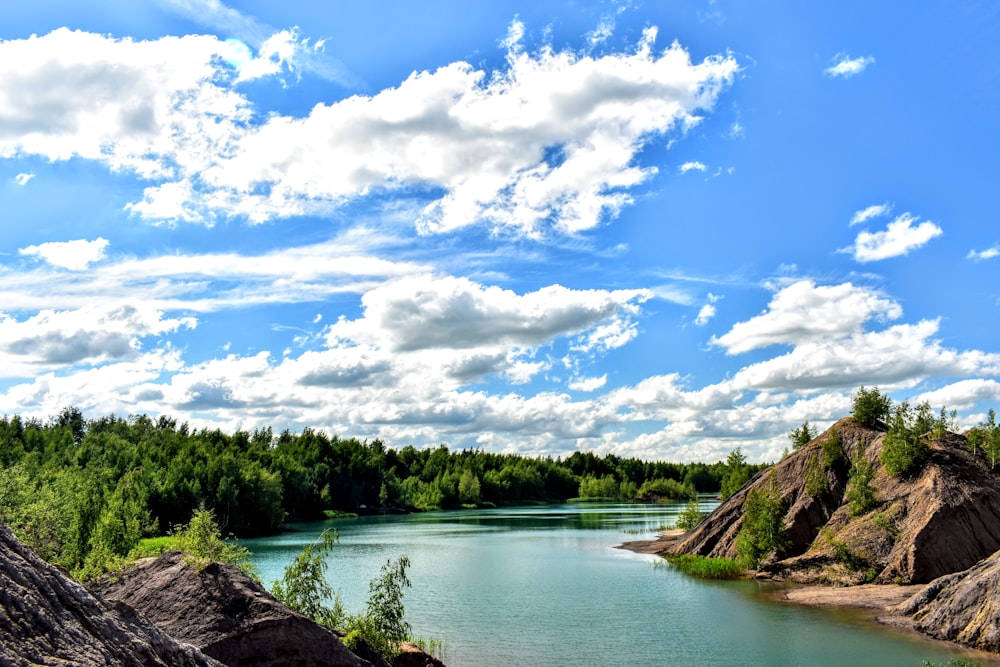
(85, 492)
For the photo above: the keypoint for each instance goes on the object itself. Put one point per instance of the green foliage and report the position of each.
(802, 435)
(691, 515)
(816, 481)
(763, 529)
(706, 568)
(870, 408)
(383, 624)
(860, 494)
(665, 489)
(986, 436)
(202, 540)
(904, 448)
(737, 473)
(833, 450)
(304, 588)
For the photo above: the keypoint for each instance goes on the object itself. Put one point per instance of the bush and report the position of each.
(202, 540)
(763, 529)
(802, 435)
(870, 407)
(816, 481)
(690, 517)
(904, 450)
(860, 494)
(304, 588)
(833, 450)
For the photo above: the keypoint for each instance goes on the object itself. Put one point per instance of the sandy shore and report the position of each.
(654, 547)
(868, 596)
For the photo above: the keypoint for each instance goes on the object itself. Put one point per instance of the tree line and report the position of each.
(83, 491)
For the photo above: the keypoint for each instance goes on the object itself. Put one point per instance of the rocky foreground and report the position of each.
(161, 612)
(930, 545)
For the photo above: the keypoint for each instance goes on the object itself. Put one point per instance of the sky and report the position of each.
(655, 229)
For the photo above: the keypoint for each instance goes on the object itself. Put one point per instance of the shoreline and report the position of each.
(877, 599)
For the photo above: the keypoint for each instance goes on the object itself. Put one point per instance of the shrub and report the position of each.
(870, 407)
(304, 588)
(904, 450)
(860, 494)
(802, 435)
(691, 516)
(816, 481)
(763, 529)
(833, 450)
(202, 540)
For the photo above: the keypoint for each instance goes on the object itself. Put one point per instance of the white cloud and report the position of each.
(588, 383)
(804, 312)
(846, 67)
(604, 30)
(692, 166)
(73, 255)
(22, 179)
(89, 335)
(870, 212)
(707, 311)
(899, 238)
(979, 255)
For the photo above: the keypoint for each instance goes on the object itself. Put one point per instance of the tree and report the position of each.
(860, 494)
(202, 540)
(737, 473)
(904, 449)
(763, 529)
(870, 407)
(816, 481)
(802, 435)
(468, 488)
(383, 624)
(303, 586)
(690, 517)
(986, 435)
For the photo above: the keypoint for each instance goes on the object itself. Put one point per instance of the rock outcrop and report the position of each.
(963, 607)
(942, 520)
(46, 618)
(225, 613)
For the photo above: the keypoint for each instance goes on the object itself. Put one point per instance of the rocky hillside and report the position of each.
(46, 618)
(944, 519)
(226, 614)
(963, 607)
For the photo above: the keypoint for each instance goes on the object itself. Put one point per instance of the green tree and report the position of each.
(384, 624)
(870, 407)
(737, 473)
(816, 481)
(860, 494)
(986, 435)
(904, 448)
(802, 435)
(469, 488)
(763, 529)
(303, 586)
(691, 516)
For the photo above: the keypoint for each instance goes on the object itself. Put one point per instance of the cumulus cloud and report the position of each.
(899, 238)
(73, 255)
(88, 335)
(707, 311)
(866, 214)
(22, 179)
(692, 166)
(554, 136)
(988, 253)
(804, 312)
(846, 67)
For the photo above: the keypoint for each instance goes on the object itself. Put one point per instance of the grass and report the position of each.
(704, 567)
(151, 547)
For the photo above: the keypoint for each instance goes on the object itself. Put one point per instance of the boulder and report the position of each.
(225, 613)
(46, 618)
(941, 520)
(962, 607)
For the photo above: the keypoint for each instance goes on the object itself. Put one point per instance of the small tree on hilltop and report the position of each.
(802, 435)
(870, 407)
(737, 473)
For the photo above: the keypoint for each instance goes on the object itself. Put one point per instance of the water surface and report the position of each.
(545, 586)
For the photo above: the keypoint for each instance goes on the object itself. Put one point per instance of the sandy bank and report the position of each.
(655, 546)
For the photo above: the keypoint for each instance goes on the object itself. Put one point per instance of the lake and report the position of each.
(545, 586)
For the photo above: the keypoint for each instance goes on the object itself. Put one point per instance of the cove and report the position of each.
(545, 586)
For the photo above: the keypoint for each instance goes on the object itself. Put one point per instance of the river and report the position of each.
(545, 586)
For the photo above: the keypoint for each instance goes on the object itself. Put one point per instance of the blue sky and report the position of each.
(659, 229)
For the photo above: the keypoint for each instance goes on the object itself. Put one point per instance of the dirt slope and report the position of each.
(46, 618)
(942, 520)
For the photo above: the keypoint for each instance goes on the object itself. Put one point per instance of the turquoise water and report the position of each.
(545, 586)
